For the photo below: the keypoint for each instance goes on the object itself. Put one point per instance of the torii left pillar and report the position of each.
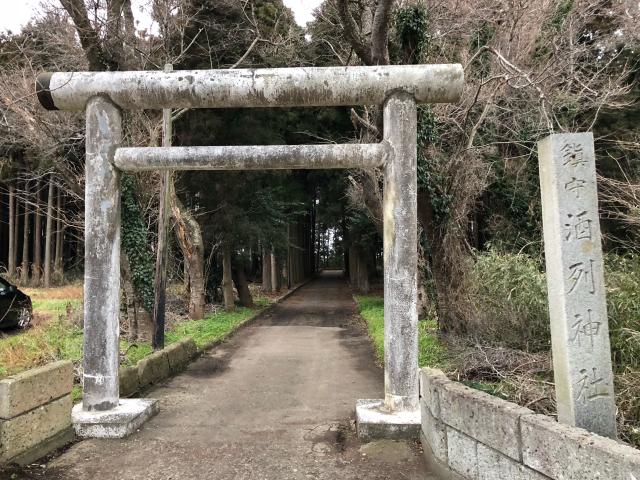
(103, 413)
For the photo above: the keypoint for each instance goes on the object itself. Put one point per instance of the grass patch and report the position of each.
(55, 307)
(372, 310)
(492, 388)
(40, 345)
(134, 352)
(431, 351)
(56, 340)
(62, 339)
(211, 328)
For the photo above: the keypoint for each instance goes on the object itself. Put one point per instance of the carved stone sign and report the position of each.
(575, 282)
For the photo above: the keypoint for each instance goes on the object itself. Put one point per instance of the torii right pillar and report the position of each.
(398, 414)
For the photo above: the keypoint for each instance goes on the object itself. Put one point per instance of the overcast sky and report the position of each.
(20, 11)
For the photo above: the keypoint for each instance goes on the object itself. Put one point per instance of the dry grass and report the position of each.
(527, 379)
(521, 377)
(41, 344)
(67, 292)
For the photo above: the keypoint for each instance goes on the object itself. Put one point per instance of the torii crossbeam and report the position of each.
(104, 94)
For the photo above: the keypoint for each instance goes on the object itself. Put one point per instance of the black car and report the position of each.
(15, 306)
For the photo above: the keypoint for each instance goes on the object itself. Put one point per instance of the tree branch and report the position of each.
(350, 28)
(380, 33)
(88, 36)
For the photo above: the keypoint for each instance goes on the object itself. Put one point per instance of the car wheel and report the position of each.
(24, 318)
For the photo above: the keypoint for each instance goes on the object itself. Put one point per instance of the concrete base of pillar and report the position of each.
(374, 422)
(120, 422)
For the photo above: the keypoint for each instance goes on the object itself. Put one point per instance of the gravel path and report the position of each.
(276, 402)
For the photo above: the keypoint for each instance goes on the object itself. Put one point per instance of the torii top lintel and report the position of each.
(275, 87)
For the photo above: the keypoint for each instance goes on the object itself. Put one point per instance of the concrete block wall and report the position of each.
(157, 367)
(35, 406)
(468, 434)
(35, 412)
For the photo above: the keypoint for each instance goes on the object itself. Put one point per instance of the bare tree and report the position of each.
(531, 68)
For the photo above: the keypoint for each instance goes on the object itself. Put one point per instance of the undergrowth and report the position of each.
(431, 351)
(62, 338)
(507, 352)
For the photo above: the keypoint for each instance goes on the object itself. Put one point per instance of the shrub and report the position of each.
(509, 302)
(622, 277)
(508, 297)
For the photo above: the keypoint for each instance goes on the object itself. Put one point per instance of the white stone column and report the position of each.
(575, 282)
(397, 415)
(400, 254)
(102, 412)
(102, 257)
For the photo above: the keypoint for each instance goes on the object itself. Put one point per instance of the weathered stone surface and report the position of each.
(101, 356)
(493, 465)
(430, 381)
(575, 283)
(263, 157)
(434, 432)
(179, 354)
(129, 383)
(22, 433)
(191, 348)
(400, 255)
(153, 369)
(462, 454)
(488, 419)
(242, 88)
(118, 422)
(374, 422)
(33, 454)
(568, 453)
(28, 390)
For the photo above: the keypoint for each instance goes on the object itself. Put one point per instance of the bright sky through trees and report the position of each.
(19, 13)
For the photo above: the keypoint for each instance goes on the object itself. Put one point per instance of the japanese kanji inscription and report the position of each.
(575, 281)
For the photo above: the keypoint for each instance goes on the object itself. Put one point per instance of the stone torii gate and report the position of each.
(104, 94)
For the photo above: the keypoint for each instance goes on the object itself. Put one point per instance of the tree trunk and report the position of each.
(312, 240)
(289, 259)
(16, 230)
(266, 271)
(275, 278)
(363, 272)
(24, 274)
(159, 301)
(242, 285)
(445, 278)
(185, 275)
(47, 236)
(353, 268)
(423, 295)
(12, 227)
(190, 240)
(58, 266)
(37, 249)
(129, 299)
(227, 283)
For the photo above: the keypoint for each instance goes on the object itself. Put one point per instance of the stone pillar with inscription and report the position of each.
(575, 283)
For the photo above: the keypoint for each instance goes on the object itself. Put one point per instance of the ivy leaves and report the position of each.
(136, 245)
(430, 176)
(411, 28)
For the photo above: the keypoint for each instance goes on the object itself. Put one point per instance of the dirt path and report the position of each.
(276, 402)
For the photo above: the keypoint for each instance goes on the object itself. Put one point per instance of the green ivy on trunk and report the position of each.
(135, 244)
